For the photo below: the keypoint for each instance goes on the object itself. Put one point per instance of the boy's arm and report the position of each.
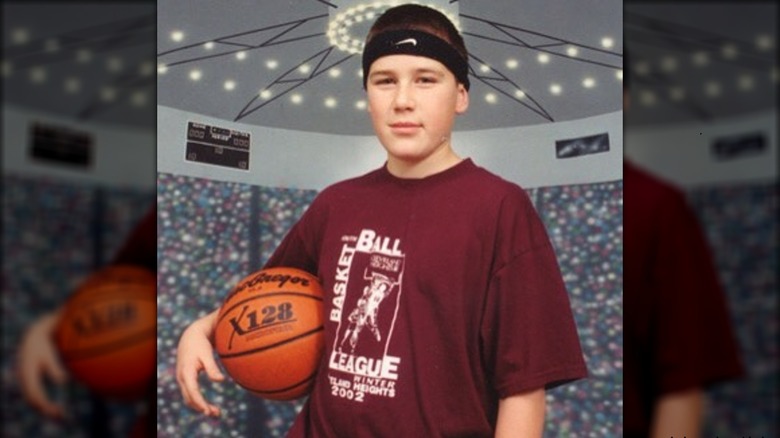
(521, 415)
(678, 414)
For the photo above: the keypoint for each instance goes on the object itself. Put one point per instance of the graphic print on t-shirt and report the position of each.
(366, 296)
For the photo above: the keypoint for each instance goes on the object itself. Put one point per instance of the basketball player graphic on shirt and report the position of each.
(364, 314)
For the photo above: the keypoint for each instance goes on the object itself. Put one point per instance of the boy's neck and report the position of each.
(432, 165)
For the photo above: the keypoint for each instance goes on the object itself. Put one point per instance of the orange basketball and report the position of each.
(269, 333)
(107, 333)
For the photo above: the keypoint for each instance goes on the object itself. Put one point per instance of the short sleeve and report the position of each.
(529, 337)
(694, 345)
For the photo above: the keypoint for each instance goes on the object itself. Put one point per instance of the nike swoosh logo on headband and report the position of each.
(411, 41)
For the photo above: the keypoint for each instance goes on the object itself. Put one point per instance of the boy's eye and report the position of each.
(383, 81)
(427, 80)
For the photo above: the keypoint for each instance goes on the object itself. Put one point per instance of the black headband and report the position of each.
(417, 43)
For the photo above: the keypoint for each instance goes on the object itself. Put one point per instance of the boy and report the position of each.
(469, 321)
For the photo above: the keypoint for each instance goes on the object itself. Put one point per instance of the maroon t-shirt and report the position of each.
(442, 295)
(677, 330)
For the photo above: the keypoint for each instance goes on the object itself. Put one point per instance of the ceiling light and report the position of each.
(146, 68)
(37, 74)
(360, 73)
(360, 104)
(519, 94)
(543, 58)
(209, 45)
(647, 98)
(512, 63)
(607, 42)
(72, 85)
(669, 64)
(52, 45)
(230, 85)
(773, 74)
(765, 42)
(108, 94)
(241, 56)
(484, 68)
(162, 69)
(745, 82)
(491, 98)
(296, 99)
(677, 93)
(177, 35)
(642, 68)
(265, 94)
(729, 51)
(8, 68)
(334, 72)
(138, 98)
(588, 82)
(331, 102)
(572, 51)
(712, 88)
(195, 75)
(305, 69)
(555, 89)
(619, 75)
(272, 64)
(20, 36)
(83, 55)
(701, 59)
(114, 64)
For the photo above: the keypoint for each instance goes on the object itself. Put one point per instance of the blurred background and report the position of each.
(78, 127)
(703, 116)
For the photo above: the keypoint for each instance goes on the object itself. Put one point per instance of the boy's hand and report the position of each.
(37, 358)
(195, 353)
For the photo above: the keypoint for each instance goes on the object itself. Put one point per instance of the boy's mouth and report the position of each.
(405, 127)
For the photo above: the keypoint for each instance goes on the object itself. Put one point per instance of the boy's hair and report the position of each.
(420, 18)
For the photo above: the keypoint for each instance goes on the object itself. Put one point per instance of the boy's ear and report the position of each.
(462, 102)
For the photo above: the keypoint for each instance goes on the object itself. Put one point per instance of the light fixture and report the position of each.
(745, 82)
(669, 64)
(241, 55)
(331, 102)
(37, 74)
(138, 98)
(491, 98)
(572, 51)
(677, 93)
(52, 45)
(712, 88)
(83, 55)
(304, 68)
(108, 94)
(177, 35)
(701, 58)
(265, 94)
(588, 82)
(342, 24)
(114, 64)
(296, 99)
(360, 104)
(607, 42)
(647, 98)
(230, 85)
(484, 68)
(334, 72)
(512, 63)
(642, 68)
(162, 69)
(764, 42)
(209, 45)
(146, 68)
(272, 64)
(8, 68)
(729, 51)
(556, 89)
(543, 58)
(619, 75)
(519, 94)
(72, 85)
(195, 75)
(20, 36)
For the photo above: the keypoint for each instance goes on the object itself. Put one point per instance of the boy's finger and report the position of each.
(196, 400)
(212, 370)
(33, 390)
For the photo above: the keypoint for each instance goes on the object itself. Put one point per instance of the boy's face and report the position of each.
(413, 101)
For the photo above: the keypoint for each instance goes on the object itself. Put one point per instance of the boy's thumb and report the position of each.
(212, 370)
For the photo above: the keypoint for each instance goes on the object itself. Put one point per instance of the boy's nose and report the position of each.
(404, 98)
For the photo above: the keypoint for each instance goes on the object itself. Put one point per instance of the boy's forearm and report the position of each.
(678, 414)
(521, 415)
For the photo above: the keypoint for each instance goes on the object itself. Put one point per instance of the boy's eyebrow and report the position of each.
(437, 72)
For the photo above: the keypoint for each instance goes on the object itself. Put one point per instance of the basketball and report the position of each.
(107, 333)
(269, 333)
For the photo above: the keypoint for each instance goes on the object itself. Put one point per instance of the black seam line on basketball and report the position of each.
(86, 353)
(298, 294)
(268, 347)
(275, 391)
